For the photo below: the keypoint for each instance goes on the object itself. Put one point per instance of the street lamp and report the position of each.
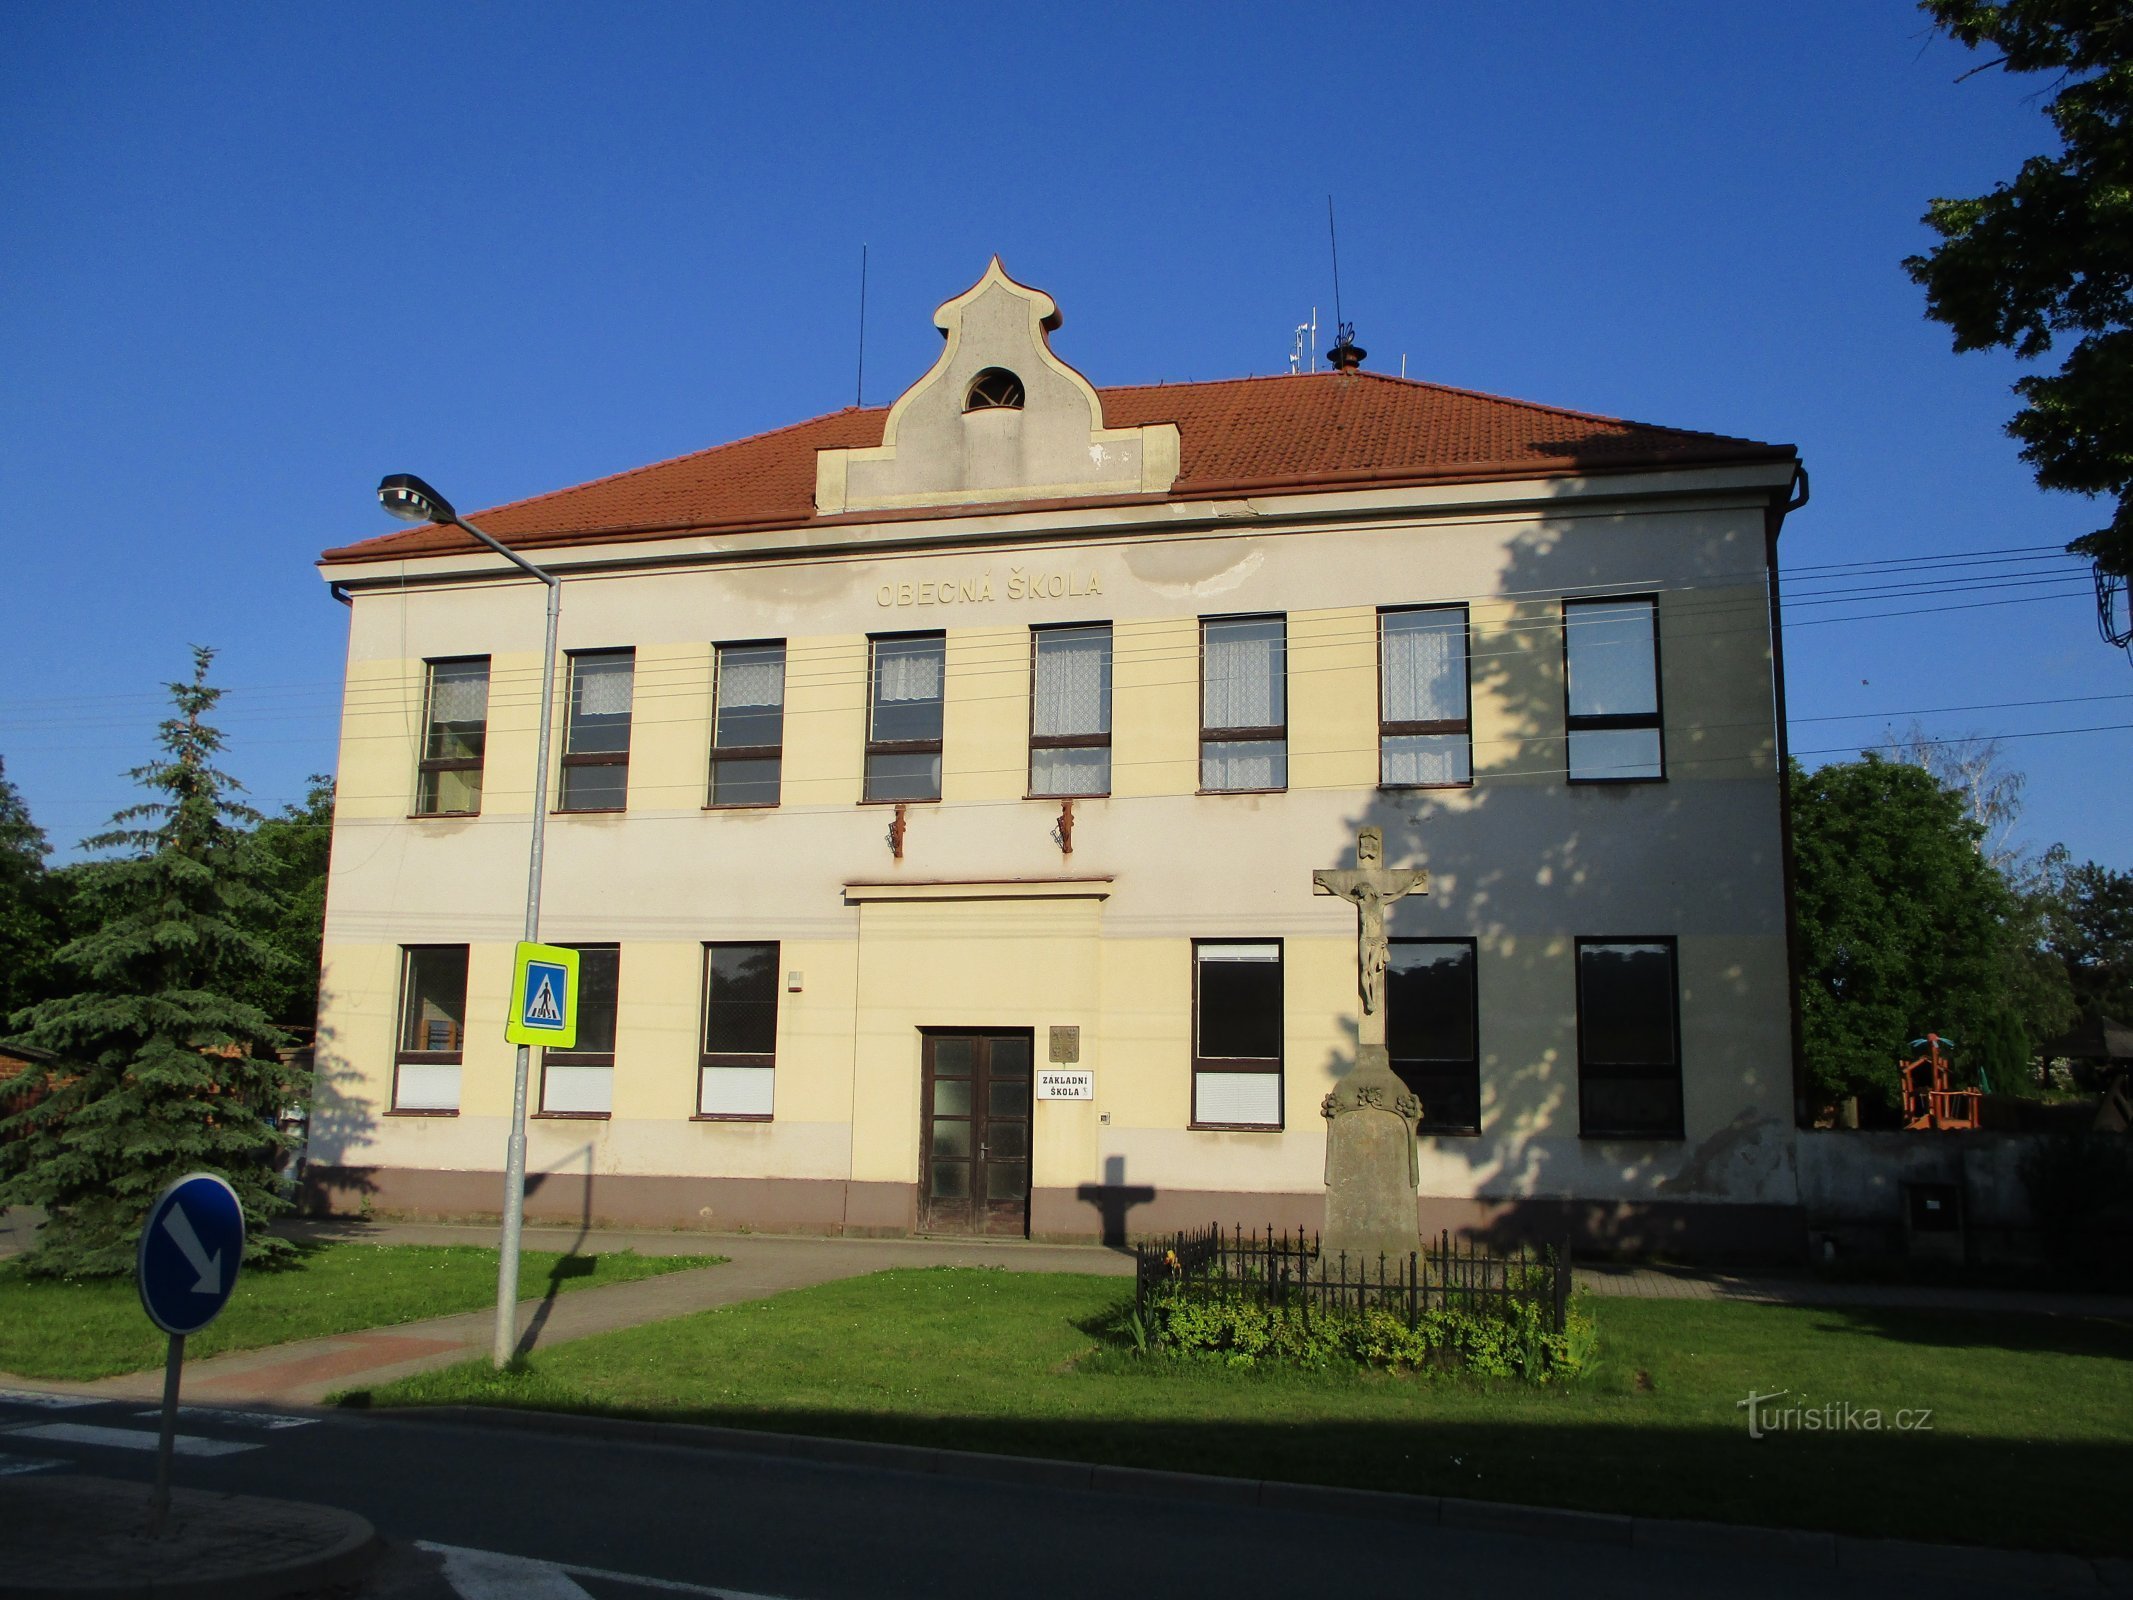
(411, 500)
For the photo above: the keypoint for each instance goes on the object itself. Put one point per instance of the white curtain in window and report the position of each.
(903, 673)
(751, 679)
(1424, 666)
(603, 688)
(1073, 669)
(1243, 667)
(459, 694)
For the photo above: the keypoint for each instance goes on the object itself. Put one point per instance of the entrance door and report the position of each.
(974, 1155)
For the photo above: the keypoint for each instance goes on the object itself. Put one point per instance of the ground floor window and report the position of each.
(580, 1081)
(1430, 1030)
(735, 1072)
(1236, 1034)
(433, 1027)
(1629, 1039)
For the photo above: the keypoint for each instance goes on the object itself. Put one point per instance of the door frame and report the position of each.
(980, 1079)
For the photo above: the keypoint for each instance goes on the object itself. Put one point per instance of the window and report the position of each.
(1070, 711)
(748, 725)
(904, 716)
(596, 736)
(1424, 740)
(1244, 706)
(1611, 678)
(1430, 1030)
(580, 1081)
(994, 389)
(433, 1027)
(1629, 1040)
(740, 1032)
(1236, 1035)
(455, 729)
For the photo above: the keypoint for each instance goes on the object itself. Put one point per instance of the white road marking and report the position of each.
(185, 1444)
(237, 1419)
(51, 1402)
(15, 1466)
(488, 1575)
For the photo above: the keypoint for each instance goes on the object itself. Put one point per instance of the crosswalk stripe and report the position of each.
(49, 1402)
(491, 1575)
(15, 1466)
(266, 1420)
(185, 1444)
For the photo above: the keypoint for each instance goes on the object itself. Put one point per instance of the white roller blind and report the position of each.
(1613, 671)
(426, 1088)
(735, 1091)
(577, 1088)
(1249, 1097)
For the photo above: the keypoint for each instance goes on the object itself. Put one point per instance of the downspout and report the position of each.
(1773, 521)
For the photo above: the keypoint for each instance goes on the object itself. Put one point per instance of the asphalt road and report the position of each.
(557, 1516)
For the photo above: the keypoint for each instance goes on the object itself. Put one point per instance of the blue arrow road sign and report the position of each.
(189, 1253)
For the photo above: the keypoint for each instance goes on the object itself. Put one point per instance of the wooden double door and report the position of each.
(974, 1133)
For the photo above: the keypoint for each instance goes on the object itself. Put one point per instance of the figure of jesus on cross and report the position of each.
(1370, 889)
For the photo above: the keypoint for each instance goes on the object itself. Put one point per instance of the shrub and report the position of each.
(1515, 1342)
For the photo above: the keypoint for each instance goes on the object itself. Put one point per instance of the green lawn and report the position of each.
(2031, 1435)
(93, 1328)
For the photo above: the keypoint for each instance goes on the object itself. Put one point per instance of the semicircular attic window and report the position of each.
(994, 389)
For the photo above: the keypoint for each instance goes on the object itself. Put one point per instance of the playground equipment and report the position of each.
(1928, 1101)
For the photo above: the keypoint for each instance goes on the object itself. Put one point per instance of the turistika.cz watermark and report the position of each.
(1767, 1414)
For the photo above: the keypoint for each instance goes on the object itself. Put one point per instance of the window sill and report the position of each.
(1427, 1132)
(733, 1116)
(1284, 789)
(1234, 1127)
(1105, 795)
(441, 816)
(1577, 782)
(907, 800)
(1634, 1135)
(571, 1116)
(741, 805)
(1409, 788)
(418, 1111)
(588, 811)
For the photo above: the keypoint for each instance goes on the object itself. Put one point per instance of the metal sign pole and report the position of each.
(166, 1445)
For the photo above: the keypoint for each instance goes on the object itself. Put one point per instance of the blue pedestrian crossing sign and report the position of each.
(187, 1260)
(544, 997)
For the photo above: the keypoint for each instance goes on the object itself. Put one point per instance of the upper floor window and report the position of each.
(596, 732)
(433, 1027)
(1629, 1039)
(1424, 739)
(580, 1081)
(905, 675)
(994, 389)
(1244, 703)
(1070, 711)
(748, 725)
(1611, 681)
(455, 732)
(1430, 1030)
(736, 1069)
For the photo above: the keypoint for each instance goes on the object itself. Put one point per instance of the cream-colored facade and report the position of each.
(974, 916)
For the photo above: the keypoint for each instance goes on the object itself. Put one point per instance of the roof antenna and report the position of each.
(859, 395)
(1346, 355)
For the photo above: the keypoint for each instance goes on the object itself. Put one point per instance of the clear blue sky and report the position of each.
(255, 256)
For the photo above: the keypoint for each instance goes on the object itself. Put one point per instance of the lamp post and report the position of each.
(411, 500)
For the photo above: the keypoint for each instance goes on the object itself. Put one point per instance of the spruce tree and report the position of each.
(29, 905)
(158, 1068)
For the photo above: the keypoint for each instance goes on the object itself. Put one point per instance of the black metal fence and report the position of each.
(1290, 1271)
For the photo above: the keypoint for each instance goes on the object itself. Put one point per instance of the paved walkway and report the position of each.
(759, 1265)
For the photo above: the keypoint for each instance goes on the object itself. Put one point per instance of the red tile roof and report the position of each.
(1275, 435)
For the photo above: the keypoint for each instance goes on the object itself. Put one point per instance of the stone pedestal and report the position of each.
(1371, 1165)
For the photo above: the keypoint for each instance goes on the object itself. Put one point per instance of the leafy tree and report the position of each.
(292, 850)
(2050, 254)
(2092, 933)
(1904, 928)
(161, 1069)
(29, 905)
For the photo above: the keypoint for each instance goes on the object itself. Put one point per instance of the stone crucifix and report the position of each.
(1371, 1164)
(1370, 889)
